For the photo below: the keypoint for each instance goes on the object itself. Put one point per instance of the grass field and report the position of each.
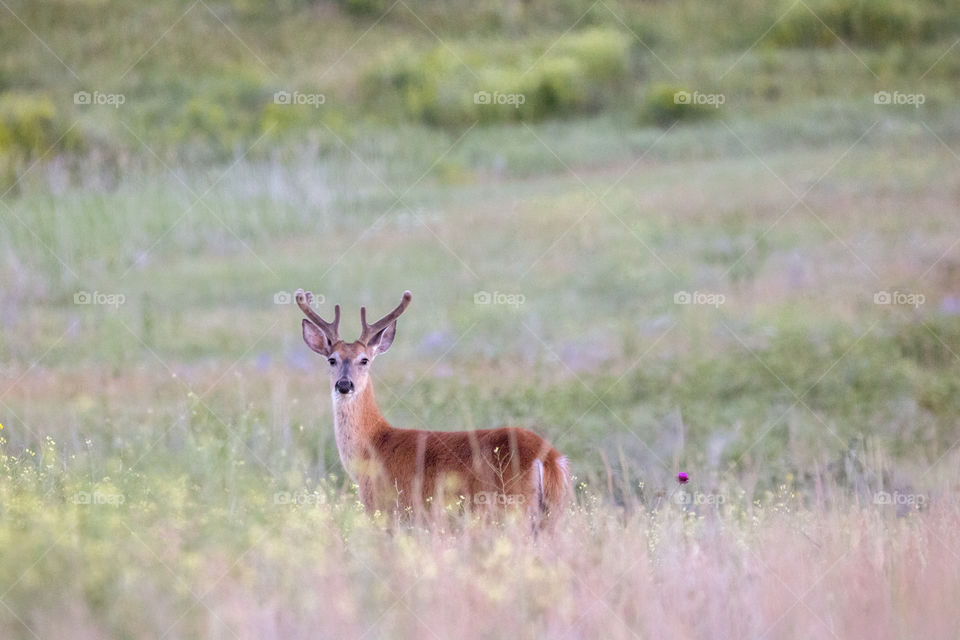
(766, 296)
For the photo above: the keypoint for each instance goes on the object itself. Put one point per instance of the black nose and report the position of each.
(344, 386)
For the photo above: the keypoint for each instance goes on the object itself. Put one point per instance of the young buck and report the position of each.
(400, 471)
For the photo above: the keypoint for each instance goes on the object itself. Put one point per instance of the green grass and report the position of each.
(203, 90)
(227, 551)
(193, 398)
(598, 356)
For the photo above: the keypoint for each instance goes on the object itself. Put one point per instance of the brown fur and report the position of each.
(404, 470)
(410, 471)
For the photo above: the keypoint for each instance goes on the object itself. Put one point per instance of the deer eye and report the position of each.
(332, 361)
(364, 361)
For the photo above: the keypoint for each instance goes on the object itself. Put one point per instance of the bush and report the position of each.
(601, 52)
(558, 86)
(29, 128)
(223, 114)
(580, 74)
(665, 104)
(365, 7)
(29, 125)
(866, 22)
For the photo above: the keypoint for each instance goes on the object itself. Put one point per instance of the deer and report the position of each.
(406, 472)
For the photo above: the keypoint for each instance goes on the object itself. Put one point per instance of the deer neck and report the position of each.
(356, 420)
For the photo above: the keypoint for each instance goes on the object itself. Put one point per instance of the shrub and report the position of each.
(663, 105)
(865, 22)
(603, 53)
(28, 125)
(29, 128)
(208, 121)
(365, 7)
(581, 73)
(557, 86)
(223, 113)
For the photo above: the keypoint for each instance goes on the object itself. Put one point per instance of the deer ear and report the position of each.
(382, 341)
(315, 338)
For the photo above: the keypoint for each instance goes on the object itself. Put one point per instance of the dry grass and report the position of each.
(772, 568)
(197, 404)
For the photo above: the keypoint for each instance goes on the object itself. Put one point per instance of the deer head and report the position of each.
(349, 361)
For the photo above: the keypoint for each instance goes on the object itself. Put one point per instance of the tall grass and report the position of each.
(174, 555)
(765, 298)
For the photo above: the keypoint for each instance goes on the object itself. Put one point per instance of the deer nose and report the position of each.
(344, 386)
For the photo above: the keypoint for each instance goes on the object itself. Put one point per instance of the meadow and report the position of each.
(757, 283)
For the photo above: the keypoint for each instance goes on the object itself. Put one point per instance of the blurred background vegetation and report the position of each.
(171, 171)
(199, 78)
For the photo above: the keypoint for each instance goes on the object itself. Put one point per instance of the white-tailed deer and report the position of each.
(402, 470)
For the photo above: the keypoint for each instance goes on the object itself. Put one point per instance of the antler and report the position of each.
(331, 329)
(370, 330)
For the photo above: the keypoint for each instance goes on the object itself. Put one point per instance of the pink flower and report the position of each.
(682, 477)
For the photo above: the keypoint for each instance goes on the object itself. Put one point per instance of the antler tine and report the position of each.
(370, 330)
(332, 329)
